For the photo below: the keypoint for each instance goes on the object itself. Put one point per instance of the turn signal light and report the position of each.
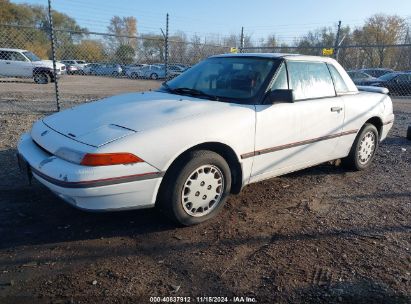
(107, 159)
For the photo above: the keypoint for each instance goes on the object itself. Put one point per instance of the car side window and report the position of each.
(15, 56)
(310, 80)
(339, 83)
(5, 55)
(402, 78)
(280, 79)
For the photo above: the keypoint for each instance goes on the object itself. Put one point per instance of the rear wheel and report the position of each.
(134, 75)
(363, 149)
(196, 188)
(41, 78)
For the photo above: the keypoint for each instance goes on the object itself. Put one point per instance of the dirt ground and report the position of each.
(322, 235)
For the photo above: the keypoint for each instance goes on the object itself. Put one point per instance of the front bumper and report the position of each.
(92, 188)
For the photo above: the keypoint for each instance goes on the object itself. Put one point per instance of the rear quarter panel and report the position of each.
(358, 108)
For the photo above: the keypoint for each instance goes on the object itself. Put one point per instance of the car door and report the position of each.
(6, 67)
(291, 136)
(21, 66)
(7, 64)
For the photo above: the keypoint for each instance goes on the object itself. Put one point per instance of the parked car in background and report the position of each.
(229, 121)
(106, 69)
(25, 64)
(133, 66)
(360, 77)
(174, 70)
(74, 66)
(397, 83)
(89, 67)
(152, 72)
(72, 69)
(377, 72)
(131, 70)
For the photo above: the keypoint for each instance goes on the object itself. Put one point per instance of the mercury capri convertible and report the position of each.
(229, 121)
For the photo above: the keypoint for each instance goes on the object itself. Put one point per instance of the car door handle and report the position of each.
(336, 109)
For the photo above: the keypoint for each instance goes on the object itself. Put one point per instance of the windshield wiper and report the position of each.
(193, 92)
(165, 84)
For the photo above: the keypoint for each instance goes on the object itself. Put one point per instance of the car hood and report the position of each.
(47, 63)
(112, 118)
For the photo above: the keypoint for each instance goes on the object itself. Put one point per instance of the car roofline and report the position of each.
(13, 50)
(297, 57)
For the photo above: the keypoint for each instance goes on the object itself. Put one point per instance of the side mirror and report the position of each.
(279, 96)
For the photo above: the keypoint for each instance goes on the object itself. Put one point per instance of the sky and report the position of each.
(212, 18)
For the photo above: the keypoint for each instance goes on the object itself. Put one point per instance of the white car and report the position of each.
(148, 71)
(131, 70)
(229, 121)
(74, 66)
(25, 64)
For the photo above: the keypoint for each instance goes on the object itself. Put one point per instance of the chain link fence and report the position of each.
(89, 65)
(92, 65)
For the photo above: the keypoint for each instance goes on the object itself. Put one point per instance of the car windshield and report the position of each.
(388, 76)
(31, 56)
(234, 79)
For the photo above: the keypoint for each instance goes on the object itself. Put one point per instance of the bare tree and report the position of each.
(124, 30)
(380, 30)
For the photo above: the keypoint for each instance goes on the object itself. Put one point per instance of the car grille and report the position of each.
(63, 68)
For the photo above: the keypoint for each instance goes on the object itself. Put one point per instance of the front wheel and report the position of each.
(154, 76)
(363, 149)
(41, 78)
(196, 188)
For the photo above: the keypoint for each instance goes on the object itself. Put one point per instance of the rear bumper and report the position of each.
(92, 188)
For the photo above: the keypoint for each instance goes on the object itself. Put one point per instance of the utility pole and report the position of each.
(337, 39)
(242, 39)
(53, 56)
(166, 49)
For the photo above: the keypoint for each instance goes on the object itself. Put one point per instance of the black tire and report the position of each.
(409, 133)
(41, 78)
(134, 75)
(175, 185)
(354, 160)
(115, 74)
(154, 76)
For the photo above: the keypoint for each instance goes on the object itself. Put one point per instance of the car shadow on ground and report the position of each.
(359, 292)
(33, 215)
(17, 81)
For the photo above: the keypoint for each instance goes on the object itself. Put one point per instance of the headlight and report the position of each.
(97, 159)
